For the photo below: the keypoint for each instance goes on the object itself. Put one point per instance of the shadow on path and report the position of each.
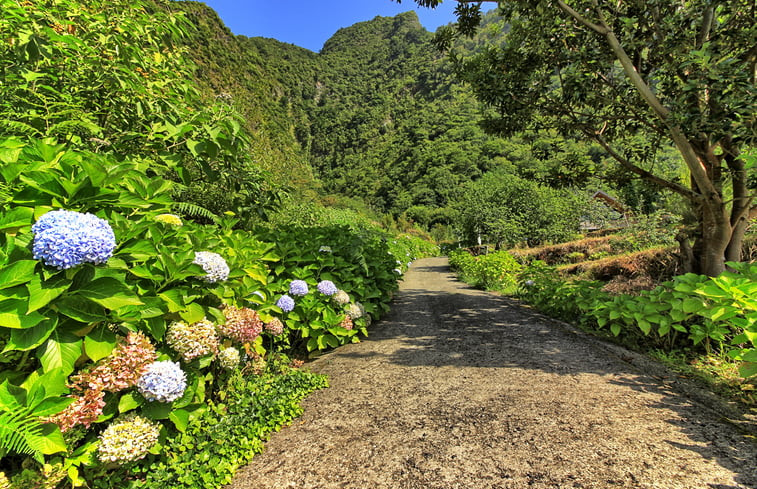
(461, 389)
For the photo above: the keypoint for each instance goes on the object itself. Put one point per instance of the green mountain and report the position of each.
(376, 115)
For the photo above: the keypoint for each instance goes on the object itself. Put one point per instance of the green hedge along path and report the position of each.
(459, 388)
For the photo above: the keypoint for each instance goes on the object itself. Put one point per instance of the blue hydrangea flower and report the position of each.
(285, 303)
(64, 239)
(162, 381)
(298, 287)
(214, 265)
(327, 287)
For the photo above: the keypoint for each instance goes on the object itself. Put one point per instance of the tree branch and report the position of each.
(580, 18)
(675, 187)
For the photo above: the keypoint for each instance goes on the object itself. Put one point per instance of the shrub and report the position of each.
(695, 311)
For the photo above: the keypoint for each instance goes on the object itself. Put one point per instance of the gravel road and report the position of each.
(461, 389)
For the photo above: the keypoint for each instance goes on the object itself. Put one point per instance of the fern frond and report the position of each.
(193, 210)
(17, 128)
(18, 430)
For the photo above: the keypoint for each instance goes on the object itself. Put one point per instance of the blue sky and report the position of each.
(309, 23)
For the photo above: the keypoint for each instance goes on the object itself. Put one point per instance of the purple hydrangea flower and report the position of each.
(64, 239)
(327, 287)
(298, 287)
(285, 303)
(163, 381)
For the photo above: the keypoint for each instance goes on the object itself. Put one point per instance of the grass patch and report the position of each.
(719, 374)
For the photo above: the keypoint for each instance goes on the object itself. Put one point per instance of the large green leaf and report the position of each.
(110, 293)
(13, 314)
(81, 309)
(99, 343)
(41, 293)
(17, 273)
(129, 401)
(29, 338)
(49, 441)
(60, 351)
(16, 218)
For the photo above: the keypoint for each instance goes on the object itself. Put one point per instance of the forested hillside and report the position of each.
(379, 115)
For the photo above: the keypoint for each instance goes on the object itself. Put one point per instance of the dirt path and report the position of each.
(458, 388)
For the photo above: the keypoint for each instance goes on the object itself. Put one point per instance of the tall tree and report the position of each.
(668, 70)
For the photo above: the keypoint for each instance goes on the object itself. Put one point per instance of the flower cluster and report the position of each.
(275, 326)
(119, 370)
(298, 287)
(242, 325)
(65, 239)
(258, 364)
(347, 323)
(285, 303)
(127, 439)
(356, 310)
(397, 271)
(171, 219)
(122, 368)
(325, 249)
(341, 298)
(228, 358)
(85, 410)
(163, 381)
(327, 287)
(214, 265)
(193, 340)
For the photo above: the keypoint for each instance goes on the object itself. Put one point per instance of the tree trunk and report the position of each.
(716, 236)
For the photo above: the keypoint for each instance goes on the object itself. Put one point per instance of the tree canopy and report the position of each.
(667, 71)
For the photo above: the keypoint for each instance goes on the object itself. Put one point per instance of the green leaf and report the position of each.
(16, 218)
(157, 410)
(692, 305)
(644, 326)
(615, 328)
(60, 351)
(748, 370)
(81, 309)
(110, 293)
(180, 419)
(174, 299)
(13, 314)
(129, 401)
(52, 406)
(194, 313)
(99, 343)
(52, 383)
(41, 293)
(750, 356)
(50, 441)
(17, 273)
(30, 338)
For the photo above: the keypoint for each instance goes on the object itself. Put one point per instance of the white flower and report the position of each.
(214, 265)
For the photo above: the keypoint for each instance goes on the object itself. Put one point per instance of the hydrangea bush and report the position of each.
(117, 332)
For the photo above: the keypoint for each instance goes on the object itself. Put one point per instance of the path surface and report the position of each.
(460, 389)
